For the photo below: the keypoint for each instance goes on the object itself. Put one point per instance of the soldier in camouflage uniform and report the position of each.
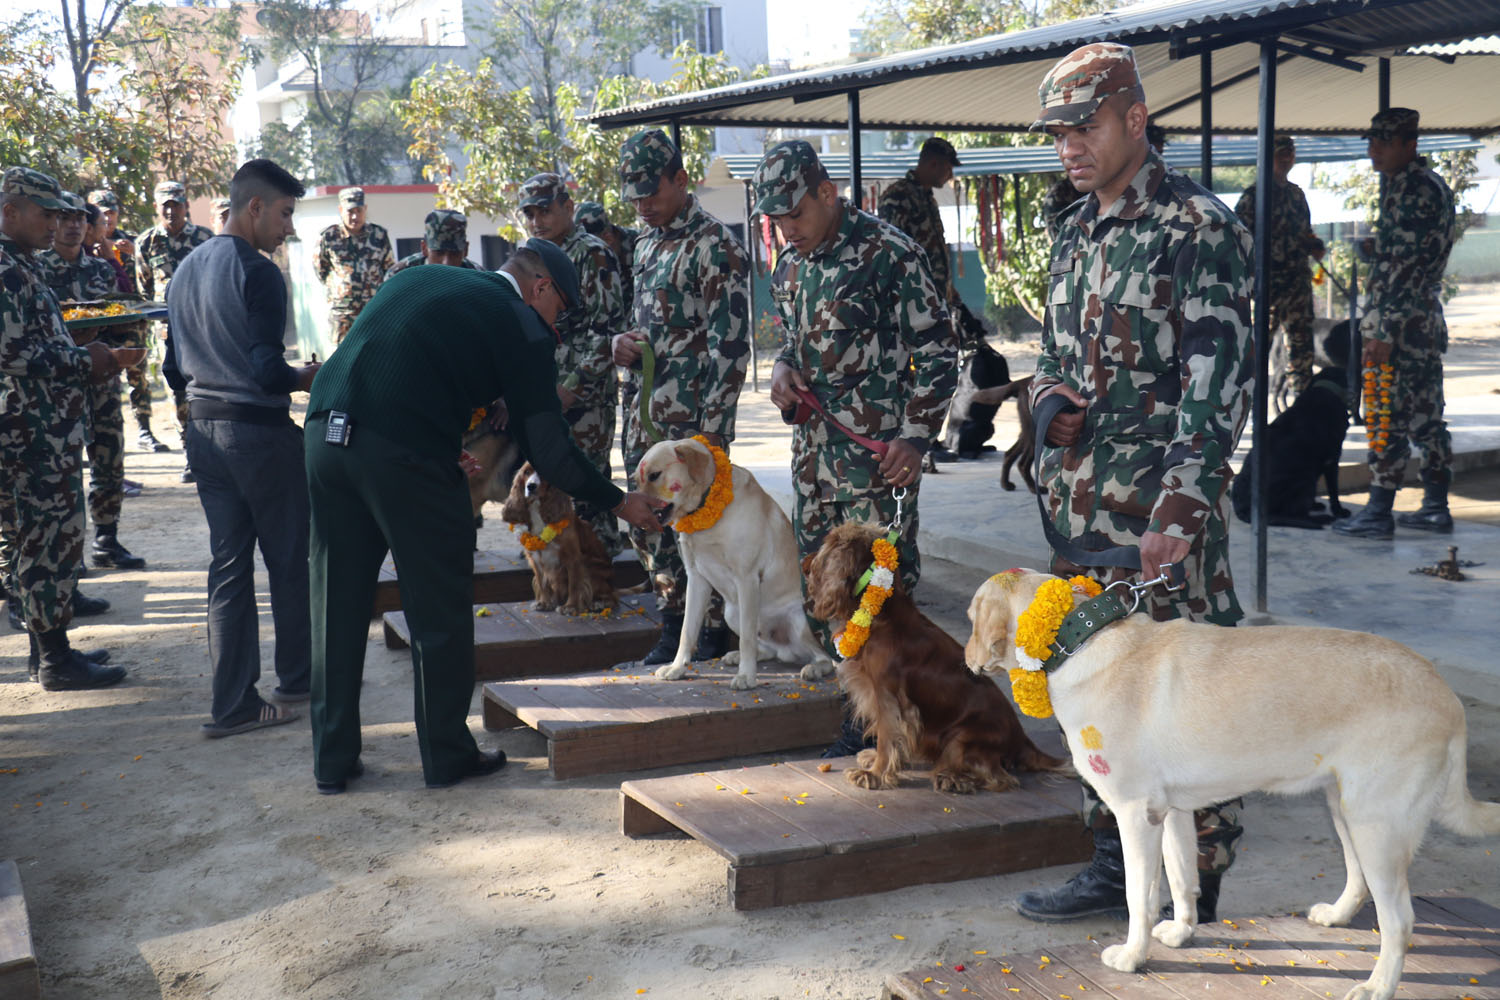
(1291, 243)
(74, 276)
(221, 214)
(352, 260)
(1404, 327)
(589, 393)
(1147, 332)
(160, 249)
(692, 308)
(1055, 202)
(621, 241)
(445, 241)
(43, 394)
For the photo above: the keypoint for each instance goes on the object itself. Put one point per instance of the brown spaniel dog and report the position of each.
(910, 686)
(570, 570)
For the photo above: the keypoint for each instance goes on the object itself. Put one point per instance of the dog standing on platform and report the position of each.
(570, 570)
(748, 555)
(909, 686)
(1363, 719)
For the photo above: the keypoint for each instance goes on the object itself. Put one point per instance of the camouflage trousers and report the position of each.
(339, 323)
(1218, 828)
(813, 519)
(106, 451)
(1416, 418)
(138, 376)
(1291, 309)
(594, 431)
(41, 537)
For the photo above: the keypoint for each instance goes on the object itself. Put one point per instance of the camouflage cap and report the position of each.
(1283, 141)
(1083, 79)
(39, 187)
(644, 157)
(105, 198)
(221, 205)
(445, 230)
(940, 147)
(76, 204)
(170, 191)
(790, 170)
(590, 215)
(543, 189)
(564, 274)
(1394, 123)
(352, 196)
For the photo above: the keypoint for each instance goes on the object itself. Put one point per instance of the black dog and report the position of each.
(1304, 442)
(971, 424)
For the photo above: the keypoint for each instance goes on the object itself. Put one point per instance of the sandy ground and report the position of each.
(160, 864)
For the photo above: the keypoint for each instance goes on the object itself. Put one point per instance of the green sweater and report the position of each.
(437, 343)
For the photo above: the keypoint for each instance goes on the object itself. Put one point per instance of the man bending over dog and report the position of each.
(868, 334)
(1147, 334)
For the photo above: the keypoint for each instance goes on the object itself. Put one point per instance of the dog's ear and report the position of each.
(513, 510)
(992, 615)
(699, 462)
(837, 567)
(552, 503)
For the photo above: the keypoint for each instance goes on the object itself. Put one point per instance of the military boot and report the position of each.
(108, 551)
(65, 669)
(852, 738)
(1433, 515)
(1097, 891)
(34, 660)
(665, 650)
(13, 613)
(713, 642)
(1208, 898)
(1375, 520)
(146, 441)
(85, 606)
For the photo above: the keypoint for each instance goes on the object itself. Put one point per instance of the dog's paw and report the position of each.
(672, 671)
(817, 670)
(865, 758)
(1173, 933)
(1326, 915)
(953, 784)
(742, 682)
(1120, 958)
(866, 778)
(1368, 991)
(731, 658)
(543, 606)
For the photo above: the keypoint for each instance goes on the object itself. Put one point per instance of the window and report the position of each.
(705, 30)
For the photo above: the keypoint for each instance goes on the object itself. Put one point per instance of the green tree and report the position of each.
(87, 39)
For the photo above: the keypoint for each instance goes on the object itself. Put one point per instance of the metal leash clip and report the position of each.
(1175, 579)
(898, 494)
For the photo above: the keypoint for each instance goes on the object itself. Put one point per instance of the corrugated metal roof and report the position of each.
(990, 83)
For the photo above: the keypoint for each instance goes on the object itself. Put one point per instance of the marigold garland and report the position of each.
(720, 494)
(536, 543)
(1036, 631)
(1378, 385)
(477, 416)
(872, 599)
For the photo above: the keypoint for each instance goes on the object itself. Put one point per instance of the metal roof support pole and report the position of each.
(676, 127)
(1206, 109)
(1383, 98)
(752, 250)
(1263, 187)
(856, 182)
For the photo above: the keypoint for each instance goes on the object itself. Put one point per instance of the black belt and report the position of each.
(1126, 556)
(218, 409)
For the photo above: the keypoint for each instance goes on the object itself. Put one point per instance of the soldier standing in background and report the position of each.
(160, 250)
(692, 310)
(352, 260)
(43, 394)
(620, 240)
(1404, 328)
(1147, 333)
(585, 361)
(1291, 243)
(445, 240)
(221, 214)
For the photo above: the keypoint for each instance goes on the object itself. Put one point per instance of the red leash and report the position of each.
(810, 402)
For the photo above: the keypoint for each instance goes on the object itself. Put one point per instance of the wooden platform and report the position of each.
(794, 834)
(619, 720)
(513, 640)
(1455, 954)
(499, 578)
(19, 979)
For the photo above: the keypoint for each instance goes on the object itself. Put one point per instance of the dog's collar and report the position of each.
(1080, 624)
(1337, 388)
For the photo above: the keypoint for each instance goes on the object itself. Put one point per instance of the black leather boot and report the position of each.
(108, 551)
(65, 669)
(713, 642)
(1433, 515)
(1208, 898)
(852, 738)
(13, 614)
(1097, 891)
(665, 650)
(85, 606)
(1375, 520)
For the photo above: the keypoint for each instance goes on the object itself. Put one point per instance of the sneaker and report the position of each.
(147, 442)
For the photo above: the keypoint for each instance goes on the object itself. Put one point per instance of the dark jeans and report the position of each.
(253, 489)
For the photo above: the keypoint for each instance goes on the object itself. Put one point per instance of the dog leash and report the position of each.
(648, 384)
(892, 534)
(810, 401)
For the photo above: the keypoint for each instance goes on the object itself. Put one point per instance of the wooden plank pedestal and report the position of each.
(795, 834)
(19, 979)
(499, 578)
(514, 640)
(627, 720)
(1455, 954)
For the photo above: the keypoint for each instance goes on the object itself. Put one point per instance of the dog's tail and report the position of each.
(1459, 811)
(1033, 758)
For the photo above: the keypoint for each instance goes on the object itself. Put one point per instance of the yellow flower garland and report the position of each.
(477, 416)
(1036, 631)
(882, 583)
(720, 494)
(1378, 405)
(536, 543)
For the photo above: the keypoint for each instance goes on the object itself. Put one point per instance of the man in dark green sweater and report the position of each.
(384, 429)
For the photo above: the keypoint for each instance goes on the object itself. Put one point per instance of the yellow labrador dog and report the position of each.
(748, 555)
(1163, 718)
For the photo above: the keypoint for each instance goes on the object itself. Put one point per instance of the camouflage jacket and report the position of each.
(352, 267)
(1291, 233)
(868, 330)
(626, 259)
(43, 375)
(584, 358)
(84, 278)
(417, 260)
(692, 301)
(1059, 197)
(1148, 318)
(157, 256)
(913, 209)
(1413, 237)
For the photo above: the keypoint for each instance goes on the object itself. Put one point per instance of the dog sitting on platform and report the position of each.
(748, 554)
(570, 570)
(1168, 717)
(909, 686)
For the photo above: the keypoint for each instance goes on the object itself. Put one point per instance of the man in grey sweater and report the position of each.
(227, 304)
